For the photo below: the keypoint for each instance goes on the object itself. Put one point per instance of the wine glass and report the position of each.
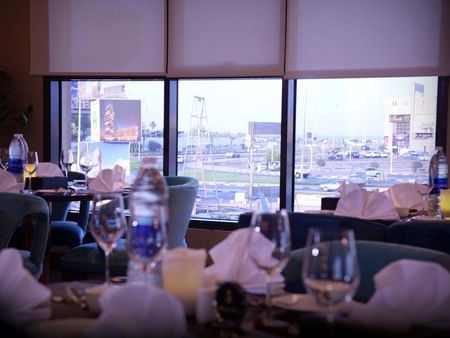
(269, 247)
(66, 160)
(146, 236)
(30, 167)
(424, 185)
(4, 158)
(330, 268)
(107, 224)
(86, 163)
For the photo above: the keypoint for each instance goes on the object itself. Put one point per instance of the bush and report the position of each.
(321, 162)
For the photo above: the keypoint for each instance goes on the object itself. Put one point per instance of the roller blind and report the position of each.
(214, 38)
(343, 38)
(98, 36)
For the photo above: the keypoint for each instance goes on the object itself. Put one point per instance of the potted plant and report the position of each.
(10, 115)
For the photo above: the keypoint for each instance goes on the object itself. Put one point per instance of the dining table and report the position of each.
(71, 317)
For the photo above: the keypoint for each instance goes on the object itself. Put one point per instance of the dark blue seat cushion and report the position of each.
(65, 233)
(90, 258)
(300, 223)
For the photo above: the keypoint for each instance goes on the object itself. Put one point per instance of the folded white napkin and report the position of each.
(22, 298)
(48, 169)
(139, 310)
(232, 263)
(108, 180)
(408, 292)
(8, 182)
(361, 203)
(405, 195)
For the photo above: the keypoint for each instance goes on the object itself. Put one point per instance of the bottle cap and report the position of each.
(18, 135)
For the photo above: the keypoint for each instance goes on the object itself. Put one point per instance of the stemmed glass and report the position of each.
(146, 236)
(269, 247)
(424, 185)
(330, 268)
(86, 163)
(107, 224)
(66, 160)
(30, 167)
(4, 158)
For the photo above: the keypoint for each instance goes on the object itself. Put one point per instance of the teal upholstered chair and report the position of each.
(89, 258)
(372, 257)
(14, 209)
(64, 232)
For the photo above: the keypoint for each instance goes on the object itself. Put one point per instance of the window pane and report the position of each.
(119, 121)
(229, 138)
(372, 131)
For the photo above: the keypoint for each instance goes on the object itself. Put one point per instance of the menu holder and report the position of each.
(38, 183)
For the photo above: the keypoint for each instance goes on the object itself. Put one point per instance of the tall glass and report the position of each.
(107, 224)
(66, 160)
(330, 268)
(424, 185)
(4, 158)
(269, 247)
(86, 163)
(30, 167)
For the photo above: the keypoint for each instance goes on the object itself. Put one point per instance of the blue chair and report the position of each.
(300, 223)
(89, 258)
(433, 235)
(16, 208)
(67, 233)
(372, 257)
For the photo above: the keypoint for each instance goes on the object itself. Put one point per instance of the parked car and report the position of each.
(232, 154)
(373, 172)
(355, 154)
(301, 172)
(180, 159)
(274, 166)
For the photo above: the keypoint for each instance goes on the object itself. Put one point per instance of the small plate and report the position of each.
(303, 302)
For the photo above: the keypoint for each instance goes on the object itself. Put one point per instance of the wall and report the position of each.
(14, 56)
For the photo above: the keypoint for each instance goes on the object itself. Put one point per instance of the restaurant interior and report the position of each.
(270, 234)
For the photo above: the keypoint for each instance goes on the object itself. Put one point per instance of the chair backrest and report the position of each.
(182, 195)
(372, 257)
(14, 208)
(300, 223)
(433, 235)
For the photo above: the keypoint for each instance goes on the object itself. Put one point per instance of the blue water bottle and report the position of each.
(16, 157)
(439, 180)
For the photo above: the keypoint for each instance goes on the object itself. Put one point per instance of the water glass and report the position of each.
(107, 224)
(30, 167)
(269, 247)
(66, 160)
(423, 186)
(330, 268)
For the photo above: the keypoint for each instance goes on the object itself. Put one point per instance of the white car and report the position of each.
(373, 172)
(300, 172)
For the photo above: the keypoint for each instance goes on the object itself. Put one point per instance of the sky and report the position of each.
(334, 107)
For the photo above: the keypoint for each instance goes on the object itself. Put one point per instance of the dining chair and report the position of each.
(429, 234)
(15, 210)
(69, 233)
(372, 257)
(301, 222)
(88, 258)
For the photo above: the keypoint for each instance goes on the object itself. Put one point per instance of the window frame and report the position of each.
(52, 138)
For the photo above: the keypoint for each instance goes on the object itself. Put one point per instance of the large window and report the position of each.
(236, 135)
(371, 131)
(118, 122)
(229, 136)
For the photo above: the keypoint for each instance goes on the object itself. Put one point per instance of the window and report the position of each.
(346, 126)
(120, 121)
(229, 136)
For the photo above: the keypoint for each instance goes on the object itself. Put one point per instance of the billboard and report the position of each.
(115, 120)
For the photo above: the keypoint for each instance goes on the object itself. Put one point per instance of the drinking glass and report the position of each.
(66, 160)
(86, 163)
(423, 186)
(107, 224)
(30, 167)
(4, 158)
(330, 268)
(146, 239)
(269, 246)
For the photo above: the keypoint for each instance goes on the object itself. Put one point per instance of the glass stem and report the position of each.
(107, 276)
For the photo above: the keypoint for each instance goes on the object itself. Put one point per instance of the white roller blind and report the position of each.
(98, 36)
(342, 38)
(226, 37)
